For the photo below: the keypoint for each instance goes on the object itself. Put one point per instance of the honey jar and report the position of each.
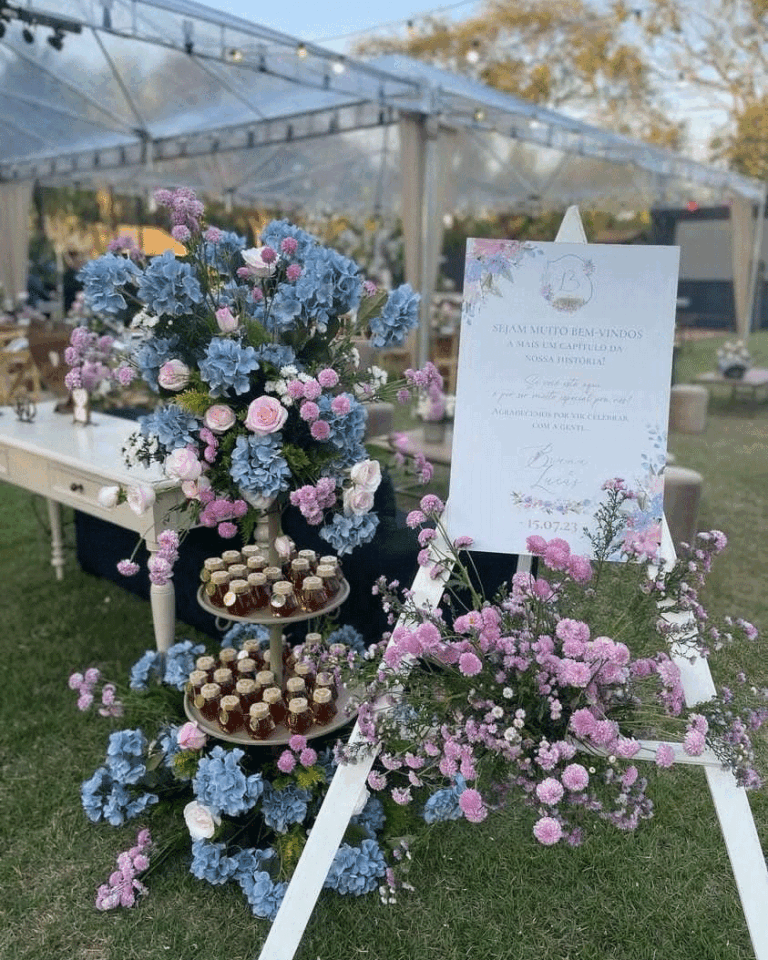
(305, 670)
(195, 683)
(314, 596)
(283, 602)
(210, 566)
(256, 563)
(327, 681)
(217, 587)
(210, 694)
(248, 693)
(311, 557)
(245, 667)
(299, 570)
(299, 718)
(264, 680)
(225, 680)
(259, 723)
(237, 599)
(230, 714)
(257, 583)
(330, 579)
(273, 697)
(227, 657)
(296, 687)
(207, 664)
(323, 707)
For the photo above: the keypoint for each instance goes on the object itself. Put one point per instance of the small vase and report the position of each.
(81, 406)
(434, 431)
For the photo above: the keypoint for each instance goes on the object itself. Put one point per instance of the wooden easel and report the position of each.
(731, 803)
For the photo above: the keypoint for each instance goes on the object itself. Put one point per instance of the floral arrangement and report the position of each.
(543, 693)
(435, 406)
(242, 816)
(733, 359)
(94, 362)
(251, 351)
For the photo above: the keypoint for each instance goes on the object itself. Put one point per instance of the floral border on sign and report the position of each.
(528, 502)
(491, 261)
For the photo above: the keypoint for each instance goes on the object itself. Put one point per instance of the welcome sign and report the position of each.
(565, 363)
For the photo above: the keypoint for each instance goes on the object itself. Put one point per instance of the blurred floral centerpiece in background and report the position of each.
(251, 351)
(435, 408)
(733, 359)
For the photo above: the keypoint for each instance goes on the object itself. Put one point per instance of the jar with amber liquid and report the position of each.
(210, 695)
(259, 723)
(273, 697)
(330, 579)
(296, 687)
(232, 556)
(238, 599)
(274, 575)
(195, 683)
(225, 679)
(260, 593)
(238, 571)
(329, 560)
(207, 665)
(314, 596)
(313, 640)
(211, 565)
(283, 602)
(217, 587)
(286, 553)
(230, 714)
(264, 680)
(323, 707)
(327, 681)
(305, 670)
(311, 557)
(252, 649)
(338, 652)
(299, 570)
(256, 563)
(244, 668)
(228, 657)
(249, 550)
(299, 719)
(248, 693)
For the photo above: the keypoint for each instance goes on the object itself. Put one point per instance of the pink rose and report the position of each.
(219, 418)
(265, 415)
(366, 475)
(140, 498)
(173, 375)
(182, 464)
(201, 822)
(284, 547)
(257, 264)
(226, 320)
(357, 501)
(191, 737)
(193, 488)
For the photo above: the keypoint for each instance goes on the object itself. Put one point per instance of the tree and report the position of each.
(566, 54)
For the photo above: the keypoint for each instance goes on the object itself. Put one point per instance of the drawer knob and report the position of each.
(76, 487)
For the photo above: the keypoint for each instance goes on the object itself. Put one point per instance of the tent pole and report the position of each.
(757, 247)
(429, 231)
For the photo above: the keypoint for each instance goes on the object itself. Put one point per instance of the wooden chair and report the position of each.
(18, 372)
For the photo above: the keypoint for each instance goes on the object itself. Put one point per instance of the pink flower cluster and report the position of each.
(123, 887)
(186, 211)
(90, 358)
(312, 500)
(298, 753)
(160, 564)
(85, 685)
(219, 512)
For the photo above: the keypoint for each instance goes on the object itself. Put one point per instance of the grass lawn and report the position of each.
(486, 892)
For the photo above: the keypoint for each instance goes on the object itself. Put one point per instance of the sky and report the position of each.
(332, 20)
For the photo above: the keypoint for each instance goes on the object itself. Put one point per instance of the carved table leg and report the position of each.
(57, 540)
(163, 601)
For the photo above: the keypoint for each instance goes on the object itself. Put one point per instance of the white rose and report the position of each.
(108, 497)
(182, 464)
(366, 475)
(357, 501)
(219, 418)
(201, 822)
(173, 375)
(253, 260)
(140, 498)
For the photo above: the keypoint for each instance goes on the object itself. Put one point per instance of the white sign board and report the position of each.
(565, 363)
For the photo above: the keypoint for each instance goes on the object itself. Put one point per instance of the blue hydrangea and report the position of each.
(149, 666)
(209, 862)
(180, 662)
(399, 316)
(251, 860)
(172, 426)
(327, 761)
(281, 808)
(151, 355)
(346, 533)
(227, 365)
(356, 870)
(238, 633)
(258, 466)
(347, 430)
(126, 754)
(168, 742)
(285, 309)
(221, 785)
(220, 255)
(329, 285)
(105, 798)
(169, 286)
(278, 354)
(348, 635)
(102, 278)
(277, 230)
(443, 805)
(372, 817)
(263, 894)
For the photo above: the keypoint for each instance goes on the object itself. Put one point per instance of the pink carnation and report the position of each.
(341, 405)
(308, 757)
(127, 568)
(550, 791)
(665, 755)
(471, 803)
(320, 430)
(327, 378)
(575, 777)
(286, 762)
(547, 831)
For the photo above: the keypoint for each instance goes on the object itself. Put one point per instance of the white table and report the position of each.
(69, 463)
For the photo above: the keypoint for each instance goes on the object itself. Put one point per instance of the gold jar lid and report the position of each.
(251, 648)
(298, 705)
(326, 570)
(272, 695)
(198, 677)
(273, 574)
(246, 665)
(299, 565)
(313, 638)
(250, 550)
(232, 556)
(265, 678)
(308, 555)
(213, 563)
(312, 583)
(220, 577)
(205, 663)
(321, 695)
(257, 579)
(245, 686)
(230, 703)
(222, 675)
(296, 685)
(238, 586)
(257, 561)
(338, 650)
(227, 655)
(210, 691)
(328, 560)
(304, 667)
(324, 679)
(238, 571)
(259, 711)
(283, 588)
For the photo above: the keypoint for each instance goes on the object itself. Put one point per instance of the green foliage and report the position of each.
(195, 401)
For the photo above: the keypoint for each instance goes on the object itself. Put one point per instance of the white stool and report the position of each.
(682, 496)
(688, 408)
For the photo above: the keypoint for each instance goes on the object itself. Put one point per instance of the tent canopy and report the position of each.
(146, 93)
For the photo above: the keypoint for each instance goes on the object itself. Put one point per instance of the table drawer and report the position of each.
(72, 487)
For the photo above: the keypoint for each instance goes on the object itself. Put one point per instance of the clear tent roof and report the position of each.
(145, 93)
